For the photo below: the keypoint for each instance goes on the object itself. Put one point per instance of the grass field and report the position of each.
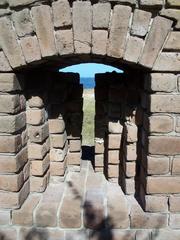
(88, 122)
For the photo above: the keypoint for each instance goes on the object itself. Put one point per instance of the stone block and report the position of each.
(140, 23)
(99, 42)
(132, 53)
(176, 166)
(74, 158)
(161, 82)
(167, 61)
(42, 21)
(75, 145)
(35, 102)
(9, 233)
(57, 168)
(9, 103)
(64, 41)
(35, 116)
(166, 184)
(174, 222)
(173, 3)
(156, 204)
(178, 124)
(58, 155)
(99, 160)
(173, 42)
(30, 48)
(141, 234)
(10, 144)
(115, 126)
(101, 15)
(160, 124)
(113, 171)
(113, 157)
(131, 152)
(56, 125)
(130, 169)
(39, 184)
(155, 41)
(172, 14)
(58, 140)
(24, 215)
(61, 13)
(4, 64)
(12, 182)
(38, 134)
(10, 82)
(158, 165)
(131, 131)
(165, 234)
(114, 141)
(82, 26)
(15, 199)
(174, 203)
(22, 22)
(39, 167)
(151, 3)
(118, 31)
(12, 163)
(165, 103)
(160, 145)
(11, 48)
(5, 217)
(38, 151)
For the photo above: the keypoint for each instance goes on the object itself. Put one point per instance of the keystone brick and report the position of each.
(4, 64)
(160, 145)
(156, 204)
(155, 41)
(22, 22)
(58, 140)
(30, 47)
(161, 82)
(56, 125)
(61, 13)
(141, 21)
(10, 144)
(165, 103)
(173, 42)
(82, 26)
(15, 199)
(132, 53)
(11, 47)
(35, 116)
(24, 215)
(101, 15)
(176, 166)
(163, 184)
(12, 123)
(42, 20)
(38, 134)
(99, 42)
(118, 31)
(113, 171)
(9, 82)
(131, 152)
(16, 3)
(64, 41)
(12, 163)
(158, 165)
(174, 203)
(167, 61)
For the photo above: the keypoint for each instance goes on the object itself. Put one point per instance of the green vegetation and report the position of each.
(88, 121)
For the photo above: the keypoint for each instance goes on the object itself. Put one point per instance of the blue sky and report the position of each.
(89, 69)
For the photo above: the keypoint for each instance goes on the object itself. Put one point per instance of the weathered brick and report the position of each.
(11, 182)
(39, 184)
(156, 204)
(9, 103)
(173, 42)
(12, 163)
(101, 15)
(176, 166)
(15, 199)
(58, 155)
(114, 141)
(173, 3)
(38, 134)
(12, 123)
(172, 14)
(30, 48)
(174, 222)
(113, 171)
(42, 20)
(160, 124)
(35, 102)
(38, 151)
(22, 22)
(160, 145)
(64, 41)
(132, 53)
(174, 203)
(155, 41)
(161, 82)
(165, 234)
(82, 26)
(58, 140)
(16, 3)
(9, 233)
(56, 125)
(158, 165)
(140, 23)
(35, 116)
(151, 3)
(4, 64)
(58, 168)
(167, 184)
(99, 42)
(74, 158)
(130, 152)
(10, 82)
(118, 30)
(39, 167)
(11, 47)
(5, 217)
(115, 127)
(99, 145)
(10, 144)
(130, 169)
(167, 61)
(113, 156)
(75, 145)
(165, 103)
(24, 215)
(131, 132)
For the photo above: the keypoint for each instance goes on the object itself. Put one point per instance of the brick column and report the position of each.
(162, 159)
(14, 165)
